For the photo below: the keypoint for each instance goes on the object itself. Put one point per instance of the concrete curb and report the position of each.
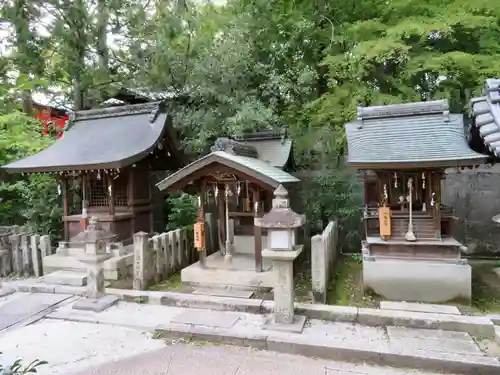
(475, 325)
(4, 292)
(300, 345)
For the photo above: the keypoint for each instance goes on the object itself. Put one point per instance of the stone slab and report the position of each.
(63, 277)
(497, 335)
(6, 292)
(420, 307)
(338, 350)
(96, 305)
(475, 325)
(296, 327)
(414, 333)
(495, 319)
(207, 318)
(224, 292)
(22, 308)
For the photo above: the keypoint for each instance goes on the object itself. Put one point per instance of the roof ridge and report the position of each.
(124, 110)
(403, 110)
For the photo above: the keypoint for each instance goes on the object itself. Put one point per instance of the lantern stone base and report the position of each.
(96, 304)
(295, 327)
(431, 281)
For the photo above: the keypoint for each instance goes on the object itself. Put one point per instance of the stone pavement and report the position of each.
(71, 341)
(185, 359)
(111, 348)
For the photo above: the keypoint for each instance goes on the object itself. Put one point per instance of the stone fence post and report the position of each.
(26, 254)
(144, 264)
(36, 255)
(17, 256)
(324, 256)
(45, 246)
(5, 256)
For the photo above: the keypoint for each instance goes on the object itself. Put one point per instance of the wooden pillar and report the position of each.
(436, 189)
(201, 219)
(111, 195)
(64, 188)
(85, 203)
(257, 231)
(130, 200)
(221, 217)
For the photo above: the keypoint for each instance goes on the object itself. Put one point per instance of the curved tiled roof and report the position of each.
(486, 115)
(256, 168)
(412, 134)
(101, 139)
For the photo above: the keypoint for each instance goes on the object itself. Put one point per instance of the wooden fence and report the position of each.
(20, 253)
(324, 255)
(160, 256)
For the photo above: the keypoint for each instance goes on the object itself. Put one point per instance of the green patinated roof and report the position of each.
(256, 168)
(421, 134)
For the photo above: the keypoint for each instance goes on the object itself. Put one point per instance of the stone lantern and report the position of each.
(281, 224)
(95, 241)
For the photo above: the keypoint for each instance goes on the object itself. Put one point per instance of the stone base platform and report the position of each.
(95, 305)
(115, 268)
(240, 272)
(417, 280)
(296, 327)
(63, 277)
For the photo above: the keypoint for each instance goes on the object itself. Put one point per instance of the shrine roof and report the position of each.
(486, 115)
(422, 134)
(272, 147)
(252, 167)
(106, 138)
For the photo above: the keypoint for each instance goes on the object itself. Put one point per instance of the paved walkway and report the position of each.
(72, 341)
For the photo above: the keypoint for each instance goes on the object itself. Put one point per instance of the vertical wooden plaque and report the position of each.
(384, 217)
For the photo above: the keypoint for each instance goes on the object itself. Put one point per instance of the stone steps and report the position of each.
(64, 277)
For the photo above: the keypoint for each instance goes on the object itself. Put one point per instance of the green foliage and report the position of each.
(248, 65)
(182, 211)
(27, 200)
(17, 367)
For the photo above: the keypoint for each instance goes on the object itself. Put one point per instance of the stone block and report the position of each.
(224, 292)
(255, 340)
(35, 288)
(206, 318)
(5, 291)
(495, 319)
(66, 278)
(420, 307)
(497, 335)
(475, 325)
(429, 281)
(211, 302)
(97, 304)
(294, 327)
(326, 312)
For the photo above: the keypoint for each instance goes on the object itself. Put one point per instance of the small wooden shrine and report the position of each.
(235, 183)
(402, 152)
(104, 162)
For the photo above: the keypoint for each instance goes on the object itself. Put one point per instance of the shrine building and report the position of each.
(402, 151)
(104, 163)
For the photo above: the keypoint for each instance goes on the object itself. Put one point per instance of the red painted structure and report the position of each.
(50, 115)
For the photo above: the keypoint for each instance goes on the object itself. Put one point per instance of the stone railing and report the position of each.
(20, 253)
(160, 256)
(324, 255)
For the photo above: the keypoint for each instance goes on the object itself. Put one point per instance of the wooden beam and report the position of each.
(257, 231)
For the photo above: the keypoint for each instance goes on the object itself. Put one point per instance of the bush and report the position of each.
(17, 367)
(182, 211)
